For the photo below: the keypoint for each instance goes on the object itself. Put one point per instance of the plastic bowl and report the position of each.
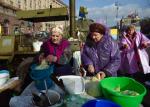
(73, 84)
(4, 76)
(108, 86)
(100, 103)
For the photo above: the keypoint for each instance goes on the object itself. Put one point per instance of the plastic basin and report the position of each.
(100, 103)
(108, 86)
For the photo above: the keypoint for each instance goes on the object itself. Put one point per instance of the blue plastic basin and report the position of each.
(100, 103)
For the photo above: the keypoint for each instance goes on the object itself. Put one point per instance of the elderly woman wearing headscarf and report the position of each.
(100, 56)
(56, 52)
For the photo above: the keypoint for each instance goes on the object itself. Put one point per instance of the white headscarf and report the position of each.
(57, 29)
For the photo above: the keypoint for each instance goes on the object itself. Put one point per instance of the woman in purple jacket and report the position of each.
(134, 57)
(100, 54)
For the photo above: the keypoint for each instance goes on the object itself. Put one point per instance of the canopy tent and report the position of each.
(44, 15)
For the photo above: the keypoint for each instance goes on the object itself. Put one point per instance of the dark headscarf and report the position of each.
(95, 27)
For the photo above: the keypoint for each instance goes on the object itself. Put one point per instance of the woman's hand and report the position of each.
(125, 46)
(91, 69)
(51, 58)
(144, 45)
(100, 75)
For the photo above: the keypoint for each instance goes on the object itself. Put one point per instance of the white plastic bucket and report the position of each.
(37, 46)
(73, 84)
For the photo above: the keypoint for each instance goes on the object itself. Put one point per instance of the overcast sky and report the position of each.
(106, 10)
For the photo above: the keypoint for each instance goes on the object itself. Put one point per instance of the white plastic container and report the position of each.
(73, 84)
(37, 46)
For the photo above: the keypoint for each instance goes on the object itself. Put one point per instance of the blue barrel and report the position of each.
(100, 103)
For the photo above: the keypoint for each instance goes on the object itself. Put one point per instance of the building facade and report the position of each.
(8, 8)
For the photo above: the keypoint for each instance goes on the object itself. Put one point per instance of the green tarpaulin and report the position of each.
(44, 15)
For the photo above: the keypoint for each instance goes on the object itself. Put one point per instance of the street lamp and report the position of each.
(117, 6)
(117, 12)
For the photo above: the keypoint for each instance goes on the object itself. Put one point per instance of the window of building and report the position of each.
(39, 4)
(30, 3)
(11, 2)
